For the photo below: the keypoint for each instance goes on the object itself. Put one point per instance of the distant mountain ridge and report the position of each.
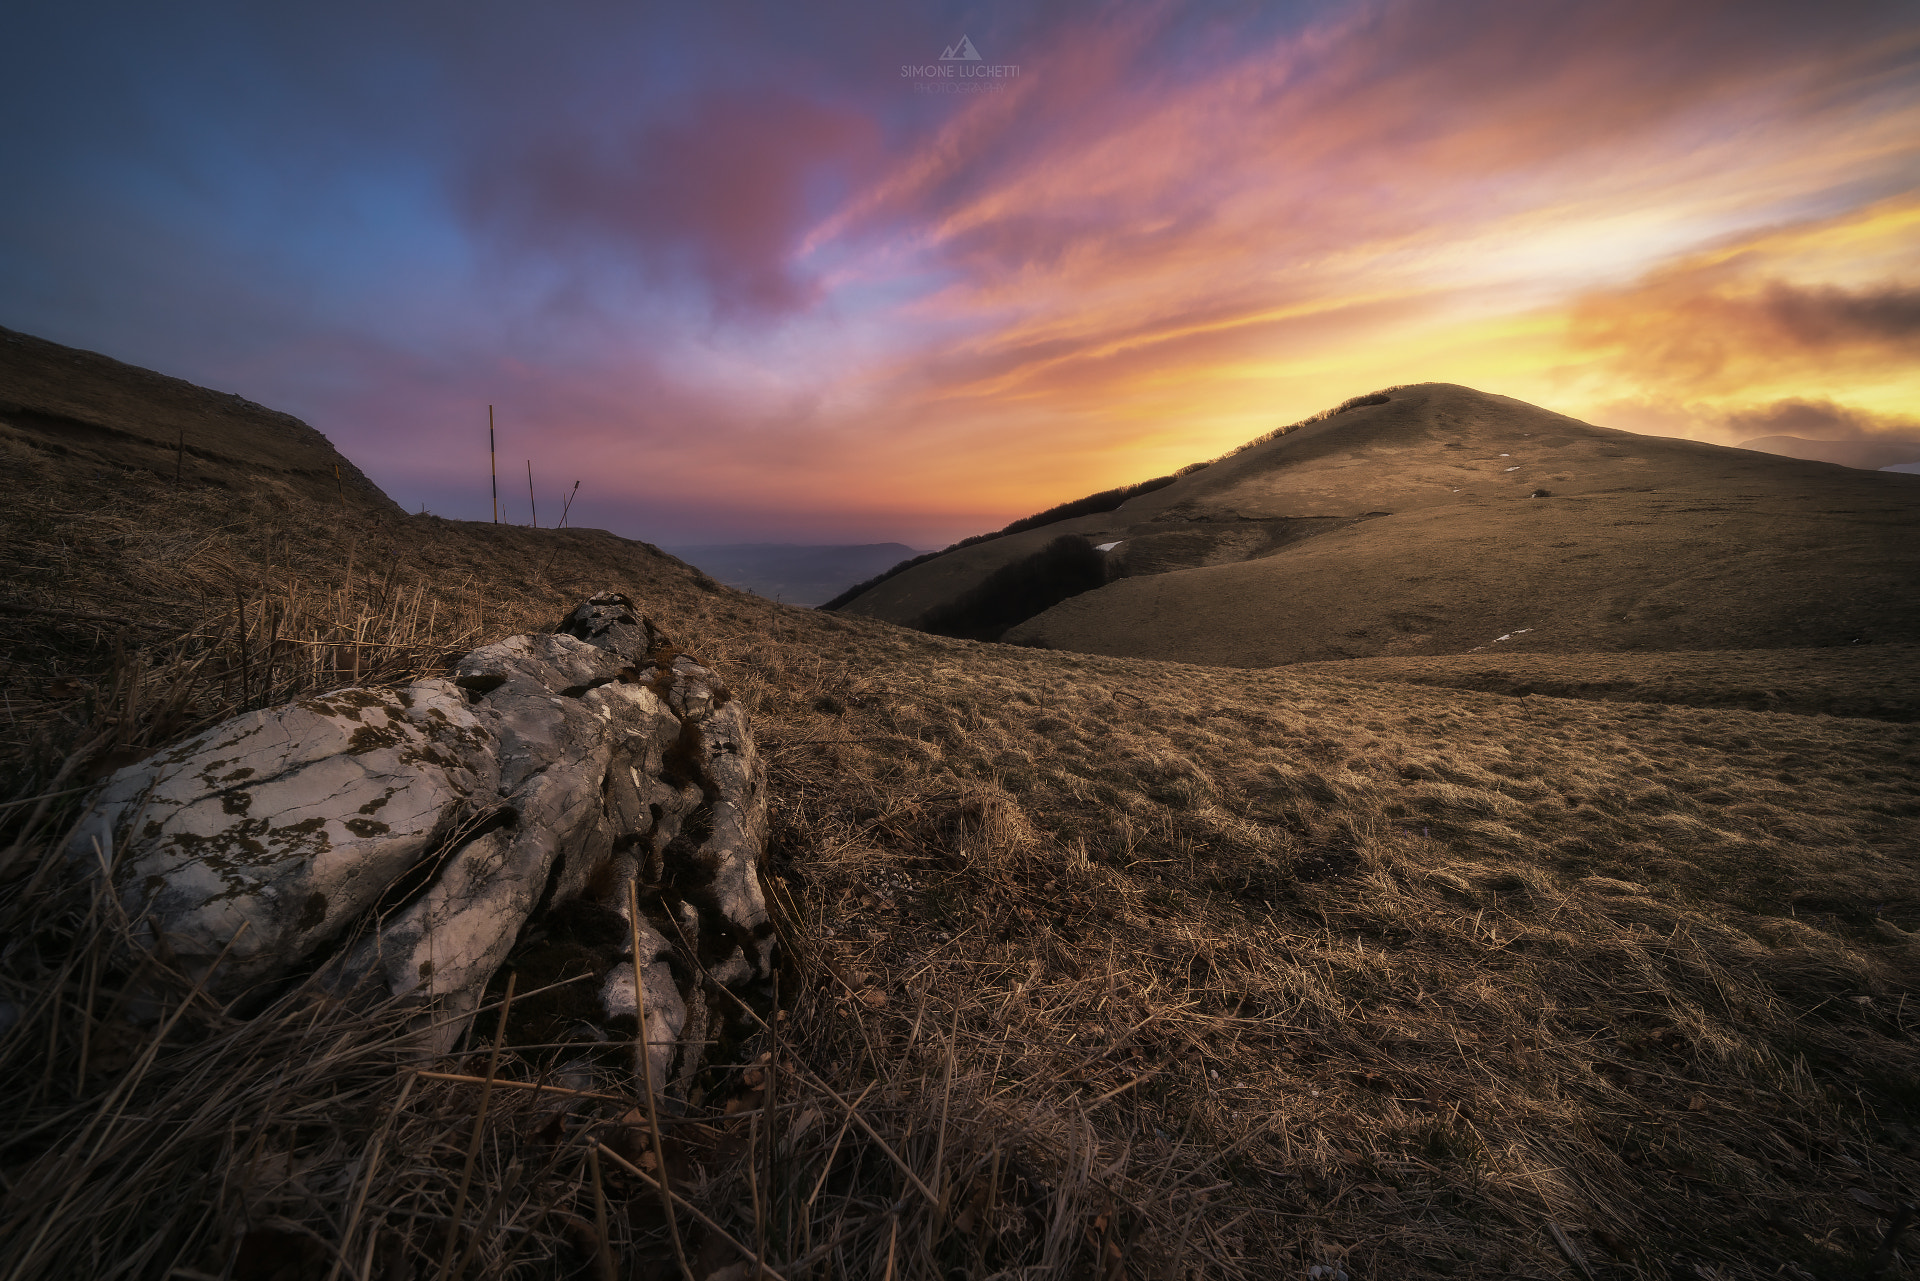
(795, 573)
(1869, 455)
(1407, 524)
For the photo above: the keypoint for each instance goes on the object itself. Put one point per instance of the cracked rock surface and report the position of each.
(405, 838)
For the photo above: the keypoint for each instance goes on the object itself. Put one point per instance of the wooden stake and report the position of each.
(530, 502)
(493, 465)
(568, 505)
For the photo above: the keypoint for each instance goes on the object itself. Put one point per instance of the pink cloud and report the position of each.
(721, 190)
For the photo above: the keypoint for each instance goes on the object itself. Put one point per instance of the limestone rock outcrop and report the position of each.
(404, 838)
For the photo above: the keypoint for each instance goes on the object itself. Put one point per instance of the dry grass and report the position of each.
(1878, 681)
(1351, 402)
(1098, 968)
(1469, 964)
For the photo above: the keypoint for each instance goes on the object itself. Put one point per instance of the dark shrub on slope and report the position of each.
(1104, 501)
(901, 568)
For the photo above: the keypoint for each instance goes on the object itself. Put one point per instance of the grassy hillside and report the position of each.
(107, 418)
(1880, 681)
(1100, 967)
(1409, 525)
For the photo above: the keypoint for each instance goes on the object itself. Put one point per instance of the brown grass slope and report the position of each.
(1881, 681)
(109, 416)
(1406, 527)
(1101, 968)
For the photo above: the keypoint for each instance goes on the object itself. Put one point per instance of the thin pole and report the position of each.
(493, 464)
(530, 502)
(568, 506)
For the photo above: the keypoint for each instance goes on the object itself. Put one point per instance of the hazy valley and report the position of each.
(794, 573)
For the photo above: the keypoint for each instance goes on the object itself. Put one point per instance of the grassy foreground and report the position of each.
(1099, 968)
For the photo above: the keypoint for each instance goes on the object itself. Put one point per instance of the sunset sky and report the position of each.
(745, 276)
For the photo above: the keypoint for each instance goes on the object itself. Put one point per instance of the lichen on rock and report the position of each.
(403, 839)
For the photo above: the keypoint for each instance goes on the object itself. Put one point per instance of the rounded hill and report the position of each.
(1435, 519)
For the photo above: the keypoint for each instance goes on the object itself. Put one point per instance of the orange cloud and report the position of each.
(1817, 420)
(1802, 417)
(1725, 325)
(1807, 328)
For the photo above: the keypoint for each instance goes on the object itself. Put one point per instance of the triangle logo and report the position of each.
(962, 52)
